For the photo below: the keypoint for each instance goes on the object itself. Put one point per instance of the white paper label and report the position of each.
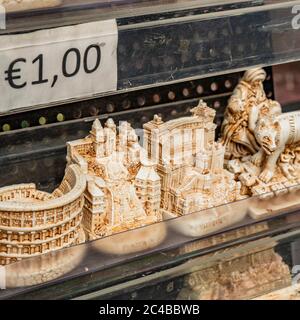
(54, 65)
(2, 278)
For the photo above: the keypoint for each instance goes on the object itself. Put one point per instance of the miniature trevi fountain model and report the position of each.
(262, 146)
(191, 167)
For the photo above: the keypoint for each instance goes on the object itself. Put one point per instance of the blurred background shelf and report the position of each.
(168, 42)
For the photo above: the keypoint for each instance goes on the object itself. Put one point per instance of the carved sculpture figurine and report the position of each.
(274, 134)
(262, 143)
(113, 184)
(123, 188)
(190, 165)
(246, 106)
(179, 171)
(33, 222)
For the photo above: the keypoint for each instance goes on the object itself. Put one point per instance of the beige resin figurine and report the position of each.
(33, 222)
(190, 165)
(22, 5)
(190, 162)
(179, 172)
(276, 135)
(262, 144)
(123, 188)
(247, 105)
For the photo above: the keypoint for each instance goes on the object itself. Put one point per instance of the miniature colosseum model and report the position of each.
(33, 222)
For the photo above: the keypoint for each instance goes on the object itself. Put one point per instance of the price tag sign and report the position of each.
(58, 64)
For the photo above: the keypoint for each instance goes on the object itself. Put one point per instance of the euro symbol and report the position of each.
(11, 77)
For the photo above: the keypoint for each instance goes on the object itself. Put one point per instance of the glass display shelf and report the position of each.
(98, 269)
(38, 153)
(170, 54)
(262, 269)
(183, 41)
(62, 12)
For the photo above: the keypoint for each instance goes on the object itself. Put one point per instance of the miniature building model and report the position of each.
(33, 222)
(123, 189)
(180, 171)
(262, 143)
(190, 162)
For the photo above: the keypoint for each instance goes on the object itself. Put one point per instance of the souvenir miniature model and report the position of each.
(180, 171)
(33, 222)
(247, 105)
(190, 165)
(242, 274)
(123, 188)
(263, 145)
(22, 5)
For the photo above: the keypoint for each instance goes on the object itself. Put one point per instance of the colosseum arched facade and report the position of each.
(33, 222)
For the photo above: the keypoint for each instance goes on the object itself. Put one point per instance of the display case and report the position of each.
(157, 59)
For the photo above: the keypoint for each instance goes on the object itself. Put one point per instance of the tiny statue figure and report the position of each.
(262, 143)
